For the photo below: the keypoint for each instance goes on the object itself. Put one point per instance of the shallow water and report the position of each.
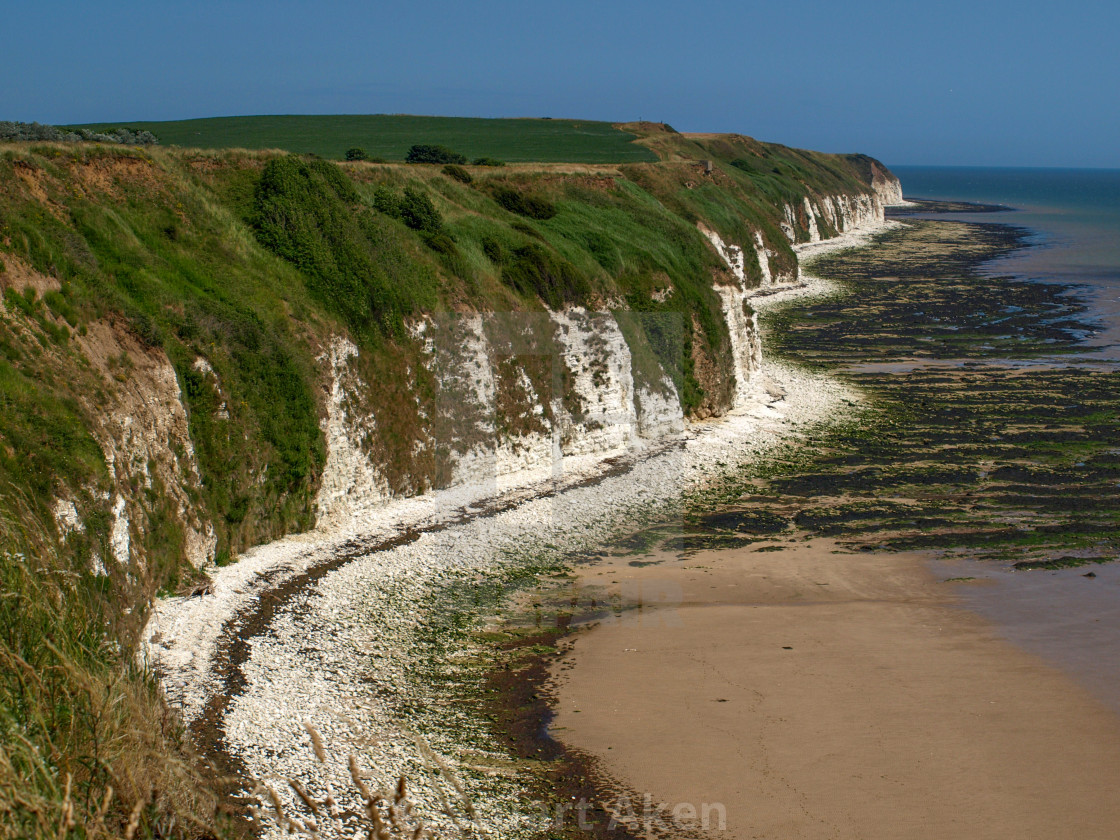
(1073, 216)
(1069, 617)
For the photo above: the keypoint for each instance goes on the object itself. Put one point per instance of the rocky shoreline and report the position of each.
(328, 628)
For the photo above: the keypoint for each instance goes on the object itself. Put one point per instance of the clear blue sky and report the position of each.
(982, 82)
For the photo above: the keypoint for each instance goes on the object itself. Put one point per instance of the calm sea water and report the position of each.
(1073, 214)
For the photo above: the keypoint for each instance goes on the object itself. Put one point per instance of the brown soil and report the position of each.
(19, 275)
(40, 185)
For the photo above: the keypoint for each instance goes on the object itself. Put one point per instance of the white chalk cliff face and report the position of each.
(146, 443)
(503, 429)
(349, 479)
(497, 425)
(845, 213)
(887, 188)
(742, 323)
(591, 346)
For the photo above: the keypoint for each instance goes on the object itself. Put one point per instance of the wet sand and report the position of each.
(825, 694)
(1069, 617)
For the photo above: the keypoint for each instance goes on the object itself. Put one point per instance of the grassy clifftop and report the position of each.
(163, 320)
(389, 136)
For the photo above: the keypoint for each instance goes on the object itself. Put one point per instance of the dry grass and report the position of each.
(382, 815)
(87, 746)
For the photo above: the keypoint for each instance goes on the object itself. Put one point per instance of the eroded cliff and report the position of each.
(247, 345)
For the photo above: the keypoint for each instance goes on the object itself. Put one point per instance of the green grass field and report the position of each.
(390, 136)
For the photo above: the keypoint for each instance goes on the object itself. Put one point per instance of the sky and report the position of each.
(981, 83)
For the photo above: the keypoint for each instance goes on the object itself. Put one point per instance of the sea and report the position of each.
(1073, 216)
(1069, 617)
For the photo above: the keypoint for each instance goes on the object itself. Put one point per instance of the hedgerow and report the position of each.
(20, 131)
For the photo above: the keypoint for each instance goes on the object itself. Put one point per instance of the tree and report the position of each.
(418, 212)
(433, 153)
(356, 153)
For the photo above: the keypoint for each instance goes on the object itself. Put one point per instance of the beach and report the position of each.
(815, 692)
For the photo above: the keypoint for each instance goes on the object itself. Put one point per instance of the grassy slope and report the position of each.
(252, 260)
(390, 136)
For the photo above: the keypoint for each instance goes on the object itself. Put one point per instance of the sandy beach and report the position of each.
(818, 693)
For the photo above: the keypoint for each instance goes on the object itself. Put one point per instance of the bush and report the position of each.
(532, 269)
(418, 212)
(531, 206)
(414, 208)
(453, 170)
(305, 213)
(387, 201)
(439, 242)
(433, 153)
(493, 250)
(488, 161)
(356, 153)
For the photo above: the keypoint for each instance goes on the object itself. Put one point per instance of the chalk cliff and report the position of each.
(232, 366)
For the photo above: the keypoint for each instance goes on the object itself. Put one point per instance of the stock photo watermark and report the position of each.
(636, 814)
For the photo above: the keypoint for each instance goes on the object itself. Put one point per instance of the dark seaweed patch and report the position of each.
(971, 455)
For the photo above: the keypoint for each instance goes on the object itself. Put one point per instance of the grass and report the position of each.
(385, 815)
(356, 264)
(141, 244)
(87, 747)
(389, 136)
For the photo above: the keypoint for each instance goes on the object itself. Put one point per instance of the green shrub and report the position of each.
(414, 208)
(387, 201)
(439, 242)
(418, 212)
(433, 153)
(532, 269)
(356, 153)
(531, 206)
(309, 214)
(493, 250)
(146, 328)
(453, 170)
(36, 131)
(488, 161)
